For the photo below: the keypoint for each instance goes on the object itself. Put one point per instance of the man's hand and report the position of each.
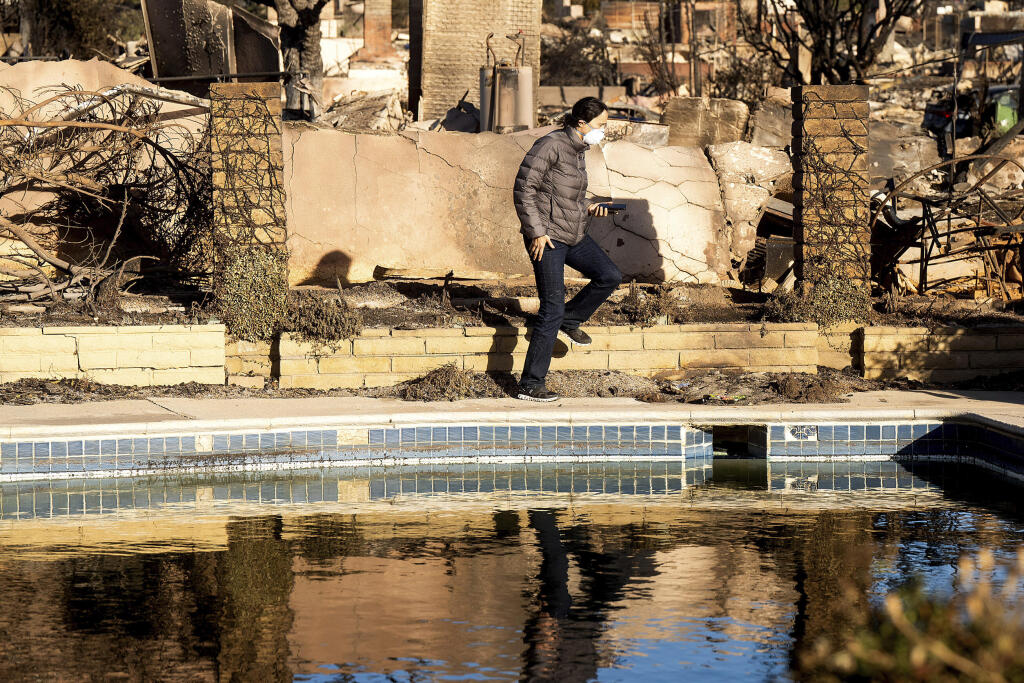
(537, 247)
(597, 210)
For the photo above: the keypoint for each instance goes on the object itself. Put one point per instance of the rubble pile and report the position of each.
(379, 112)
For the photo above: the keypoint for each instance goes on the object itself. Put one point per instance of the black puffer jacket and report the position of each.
(551, 187)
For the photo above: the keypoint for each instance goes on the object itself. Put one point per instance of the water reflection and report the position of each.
(715, 580)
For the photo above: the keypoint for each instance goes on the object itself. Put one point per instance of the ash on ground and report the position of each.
(450, 384)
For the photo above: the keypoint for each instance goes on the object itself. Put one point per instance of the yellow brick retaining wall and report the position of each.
(141, 355)
(942, 354)
(380, 357)
(841, 347)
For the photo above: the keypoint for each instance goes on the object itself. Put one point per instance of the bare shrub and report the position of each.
(98, 192)
(251, 291)
(974, 634)
(324, 321)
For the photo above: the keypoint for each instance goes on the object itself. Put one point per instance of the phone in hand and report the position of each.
(614, 207)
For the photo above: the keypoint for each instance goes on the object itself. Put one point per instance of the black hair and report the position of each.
(586, 109)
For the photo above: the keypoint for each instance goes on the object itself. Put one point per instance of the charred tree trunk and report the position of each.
(300, 49)
(27, 16)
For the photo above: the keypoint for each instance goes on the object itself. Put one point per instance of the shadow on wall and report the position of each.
(631, 240)
(333, 267)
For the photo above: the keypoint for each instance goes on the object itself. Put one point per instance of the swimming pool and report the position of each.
(705, 568)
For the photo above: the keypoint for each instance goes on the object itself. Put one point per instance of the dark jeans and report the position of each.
(586, 257)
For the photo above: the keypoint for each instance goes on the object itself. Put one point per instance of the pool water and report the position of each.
(568, 572)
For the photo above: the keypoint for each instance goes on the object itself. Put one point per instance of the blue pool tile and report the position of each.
(108, 447)
(547, 434)
(455, 435)
(690, 436)
(904, 432)
(643, 434)
(841, 432)
(123, 446)
(437, 435)
(595, 433)
(626, 433)
(563, 433)
(658, 433)
(674, 433)
(393, 436)
(187, 444)
(408, 435)
(236, 443)
(825, 433)
(423, 435)
(857, 432)
(25, 450)
(920, 430)
(873, 433)
(252, 442)
(579, 434)
(486, 435)
(778, 433)
(329, 437)
(517, 434)
(501, 435)
(888, 432)
(611, 433)
(220, 443)
(532, 433)
(42, 449)
(470, 434)
(59, 449)
(282, 439)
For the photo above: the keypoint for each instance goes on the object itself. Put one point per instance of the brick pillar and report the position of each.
(376, 29)
(831, 210)
(248, 167)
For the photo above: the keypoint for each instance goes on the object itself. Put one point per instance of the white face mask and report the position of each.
(593, 136)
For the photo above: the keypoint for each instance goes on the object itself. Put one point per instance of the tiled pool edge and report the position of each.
(289, 442)
(970, 439)
(135, 454)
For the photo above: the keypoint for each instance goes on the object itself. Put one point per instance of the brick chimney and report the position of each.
(376, 29)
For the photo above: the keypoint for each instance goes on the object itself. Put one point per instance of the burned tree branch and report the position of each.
(95, 185)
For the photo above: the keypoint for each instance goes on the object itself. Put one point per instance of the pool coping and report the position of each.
(176, 415)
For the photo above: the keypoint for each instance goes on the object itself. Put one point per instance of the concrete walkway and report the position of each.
(163, 415)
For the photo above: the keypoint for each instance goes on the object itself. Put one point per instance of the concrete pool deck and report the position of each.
(174, 414)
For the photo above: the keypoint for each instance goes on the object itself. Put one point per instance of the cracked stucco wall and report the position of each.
(444, 200)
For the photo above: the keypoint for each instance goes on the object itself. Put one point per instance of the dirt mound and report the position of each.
(449, 383)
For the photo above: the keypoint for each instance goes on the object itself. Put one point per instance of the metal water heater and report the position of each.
(506, 91)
